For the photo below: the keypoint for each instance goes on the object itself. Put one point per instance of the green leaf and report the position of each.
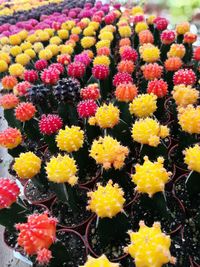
(12, 215)
(59, 255)
(154, 152)
(9, 115)
(114, 229)
(193, 183)
(60, 191)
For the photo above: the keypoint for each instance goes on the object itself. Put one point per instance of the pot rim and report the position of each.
(89, 246)
(37, 202)
(80, 225)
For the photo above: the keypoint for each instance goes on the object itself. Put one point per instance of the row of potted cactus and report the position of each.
(103, 128)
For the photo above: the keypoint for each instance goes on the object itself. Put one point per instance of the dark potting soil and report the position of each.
(175, 215)
(112, 250)
(66, 216)
(11, 237)
(192, 205)
(75, 247)
(33, 193)
(176, 157)
(192, 236)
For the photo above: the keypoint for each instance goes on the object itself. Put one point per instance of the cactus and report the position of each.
(150, 177)
(9, 192)
(101, 261)
(150, 246)
(108, 152)
(27, 165)
(106, 116)
(37, 233)
(70, 139)
(106, 201)
(10, 138)
(143, 105)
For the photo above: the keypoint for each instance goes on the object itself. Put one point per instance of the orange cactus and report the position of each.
(126, 92)
(37, 233)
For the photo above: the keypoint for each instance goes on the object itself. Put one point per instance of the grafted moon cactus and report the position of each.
(9, 192)
(149, 246)
(37, 233)
(99, 262)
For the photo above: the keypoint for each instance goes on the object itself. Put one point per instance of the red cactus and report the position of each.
(25, 111)
(39, 232)
(49, 77)
(50, 124)
(158, 88)
(41, 64)
(8, 82)
(110, 18)
(100, 72)
(196, 55)
(76, 69)
(30, 76)
(122, 77)
(168, 37)
(129, 53)
(9, 101)
(9, 192)
(152, 71)
(10, 138)
(161, 23)
(87, 108)
(103, 51)
(90, 92)
(22, 88)
(64, 59)
(57, 67)
(184, 76)
(44, 256)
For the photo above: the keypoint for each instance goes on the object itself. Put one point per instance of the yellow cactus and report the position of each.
(106, 201)
(16, 70)
(27, 165)
(189, 119)
(108, 152)
(87, 42)
(15, 50)
(176, 50)
(106, 35)
(62, 169)
(141, 26)
(192, 157)
(137, 10)
(107, 116)
(70, 139)
(148, 131)
(150, 247)
(22, 59)
(150, 177)
(125, 31)
(102, 43)
(99, 262)
(101, 60)
(185, 95)
(143, 105)
(149, 53)
(45, 54)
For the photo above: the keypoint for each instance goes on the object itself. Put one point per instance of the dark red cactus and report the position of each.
(50, 124)
(9, 192)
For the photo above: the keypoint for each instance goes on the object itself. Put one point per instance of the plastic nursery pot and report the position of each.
(179, 169)
(41, 198)
(74, 244)
(147, 209)
(170, 106)
(80, 225)
(10, 239)
(93, 180)
(91, 250)
(172, 124)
